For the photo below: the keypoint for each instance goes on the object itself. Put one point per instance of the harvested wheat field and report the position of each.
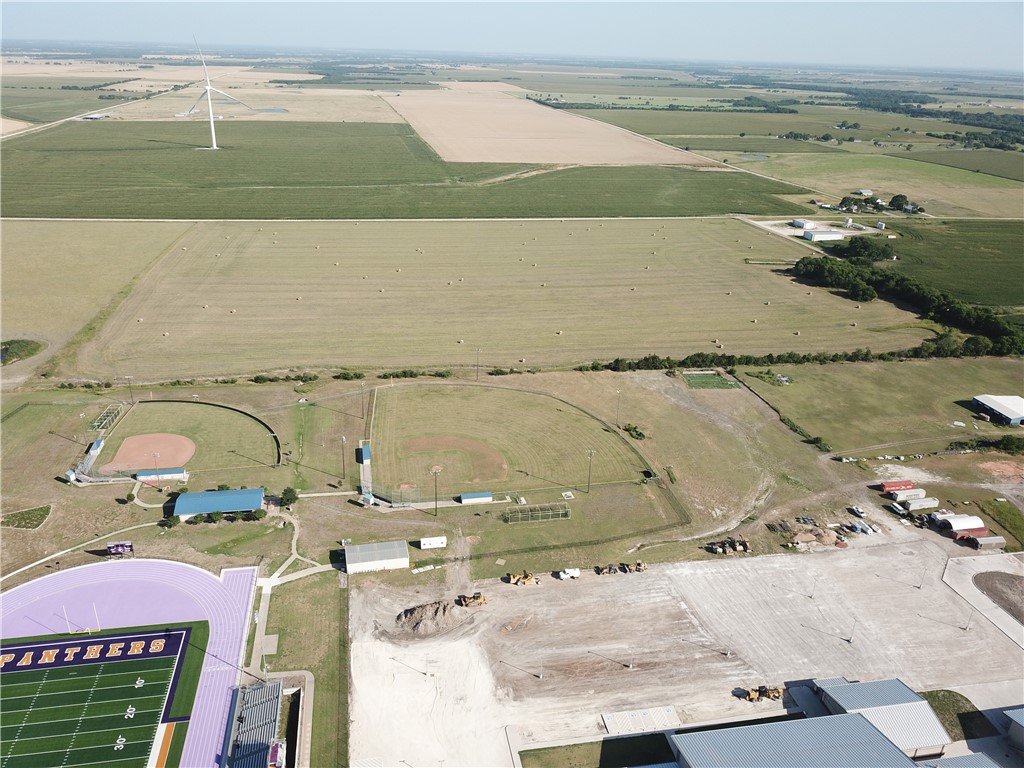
(480, 124)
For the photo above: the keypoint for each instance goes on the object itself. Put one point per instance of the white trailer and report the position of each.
(915, 505)
(908, 493)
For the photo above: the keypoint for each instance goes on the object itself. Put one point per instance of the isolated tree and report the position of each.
(898, 201)
(288, 497)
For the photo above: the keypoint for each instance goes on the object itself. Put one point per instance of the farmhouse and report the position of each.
(206, 502)
(1008, 409)
(816, 235)
(380, 556)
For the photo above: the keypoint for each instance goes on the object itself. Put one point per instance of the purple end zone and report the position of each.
(140, 592)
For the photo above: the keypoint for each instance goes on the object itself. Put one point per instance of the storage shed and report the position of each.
(379, 556)
(989, 542)
(484, 497)
(1008, 409)
(817, 235)
(905, 718)
(962, 522)
(908, 493)
(897, 485)
(206, 502)
(159, 475)
(434, 542)
(838, 741)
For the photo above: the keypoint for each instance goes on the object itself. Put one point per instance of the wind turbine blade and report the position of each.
(202, 59)
(229, 96)
(193, 109)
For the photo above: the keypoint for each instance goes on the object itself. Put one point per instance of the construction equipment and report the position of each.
(627, 567)
(641, 566)
(603, 570)
(524, 578)
(477, 598)
(569, 573)
(763, 692)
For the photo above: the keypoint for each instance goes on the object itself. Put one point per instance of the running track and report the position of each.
(139, 592)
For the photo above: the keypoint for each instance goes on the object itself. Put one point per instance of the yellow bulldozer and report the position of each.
(522, 578)
(466, 601)
(763, 692)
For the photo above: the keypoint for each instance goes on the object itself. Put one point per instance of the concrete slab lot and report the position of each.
(540, 664)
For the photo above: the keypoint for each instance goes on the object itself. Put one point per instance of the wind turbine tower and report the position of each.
(208, 93)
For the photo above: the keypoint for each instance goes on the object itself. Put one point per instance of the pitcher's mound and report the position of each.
(152, 451)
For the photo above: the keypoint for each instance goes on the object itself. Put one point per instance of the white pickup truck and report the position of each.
(569, 573)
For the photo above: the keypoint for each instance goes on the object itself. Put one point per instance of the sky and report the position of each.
(910, 34)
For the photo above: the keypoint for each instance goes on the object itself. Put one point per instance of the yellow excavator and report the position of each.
(466, 601)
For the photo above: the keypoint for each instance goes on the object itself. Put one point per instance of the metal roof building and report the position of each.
(905, 718)
(973, 760)
(1016, 731)
(1006, 408)
(836, 741)
(380, 556)
(204, 502)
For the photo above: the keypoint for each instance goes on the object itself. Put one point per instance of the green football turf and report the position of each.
(87, 714)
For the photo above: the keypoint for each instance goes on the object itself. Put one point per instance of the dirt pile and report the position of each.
(428, 619)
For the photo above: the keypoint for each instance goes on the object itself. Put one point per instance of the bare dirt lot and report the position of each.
(477, 123)
(539, 664)
(1004, 589)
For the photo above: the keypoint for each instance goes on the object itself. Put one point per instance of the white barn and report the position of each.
(817, 235)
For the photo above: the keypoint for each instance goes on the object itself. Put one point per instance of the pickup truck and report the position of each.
(569, 573)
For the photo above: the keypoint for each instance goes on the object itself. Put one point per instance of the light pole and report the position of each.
(435, 471)
(362, 400)
(590, 466)
(618, 400)
(478, 363)
(131, 392)
(344, 459)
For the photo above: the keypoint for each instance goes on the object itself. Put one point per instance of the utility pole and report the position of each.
(618, 399)
(362, 398)
(435, 471)
(478, 363)
(344, 459)
(131, 392)
(590, 466)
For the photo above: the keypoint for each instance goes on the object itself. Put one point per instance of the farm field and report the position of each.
(279, 170)
(100, 262)
(911, 405)
(757, 144)
(487, 125)
(942, 190)
(815, 120)
(526, 293)
(1009, 165)
(969, 259)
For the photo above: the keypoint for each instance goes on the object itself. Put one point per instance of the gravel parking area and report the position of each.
(540, 664)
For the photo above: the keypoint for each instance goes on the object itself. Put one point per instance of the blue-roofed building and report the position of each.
(835, 741)
(893, 708)
(205, 502)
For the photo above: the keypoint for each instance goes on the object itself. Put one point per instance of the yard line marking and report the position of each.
(24, 720)
(71, 744)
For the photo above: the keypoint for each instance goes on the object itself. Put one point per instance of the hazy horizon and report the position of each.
(869, 35)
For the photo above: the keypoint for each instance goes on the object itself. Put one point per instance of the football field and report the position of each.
(89, 700)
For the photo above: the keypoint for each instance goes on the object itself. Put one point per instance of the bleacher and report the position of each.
(253, 726)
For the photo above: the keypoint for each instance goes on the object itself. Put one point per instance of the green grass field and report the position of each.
(969, 259)
(416, 288)
(911, 404)
(26, 518)
(708, 381)
(223, 438)
(708, 145)
(105, 712)
(294, 170)
(32, 102)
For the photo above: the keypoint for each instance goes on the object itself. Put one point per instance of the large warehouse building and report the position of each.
(1008, 409)
(380, 556)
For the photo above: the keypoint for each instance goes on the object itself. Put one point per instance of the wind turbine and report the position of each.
(208, 93)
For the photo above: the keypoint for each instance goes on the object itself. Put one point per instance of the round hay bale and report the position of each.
(139, 320)
(166, 334)
(206, 306)
(184, 248)
(558, 333)
(754, 320)
(298, 298)
(796, 333)
(632, 289)
(318, 248)
(335, 263)
(364, 277)
(522, 359)
(460, 279)
(459, 341)
(646, 267)
(449, 282)
(853, 325)
(260, 229)
(398, 270)
(232, 312)
(767, 303)
(382, 290)
(728, 293)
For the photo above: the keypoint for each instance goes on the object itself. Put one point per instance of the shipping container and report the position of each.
(989, 542)
(912, 505)
(908, 493)
(897, 485)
